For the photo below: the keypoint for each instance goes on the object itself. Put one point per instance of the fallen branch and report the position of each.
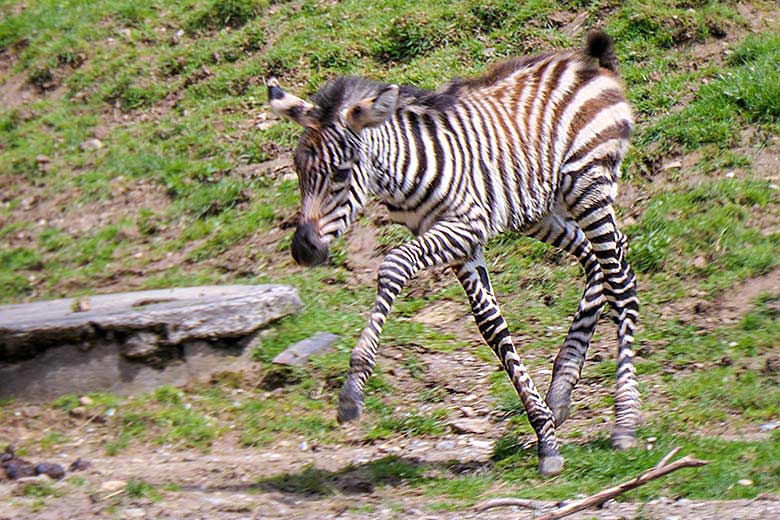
(610, 493)
(661, 469)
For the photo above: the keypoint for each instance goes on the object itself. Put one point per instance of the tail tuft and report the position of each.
(599, 45)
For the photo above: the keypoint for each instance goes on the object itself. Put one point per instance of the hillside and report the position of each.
(137, 150)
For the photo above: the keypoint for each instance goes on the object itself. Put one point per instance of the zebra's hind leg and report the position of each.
(559, 230)
(589, 202)
(473, 276)
(620, 290)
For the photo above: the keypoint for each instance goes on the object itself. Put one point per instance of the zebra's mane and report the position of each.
(345, 91)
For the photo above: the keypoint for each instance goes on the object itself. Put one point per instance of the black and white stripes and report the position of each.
(535, 145)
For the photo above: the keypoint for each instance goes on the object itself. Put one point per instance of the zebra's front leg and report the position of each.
(444, 243)
(473, 276)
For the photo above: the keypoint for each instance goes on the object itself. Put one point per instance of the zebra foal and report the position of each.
(535, 146)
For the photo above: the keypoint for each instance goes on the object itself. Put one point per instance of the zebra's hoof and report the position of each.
(348, 411)
(623, 441)
(550, 465)
(350, 402)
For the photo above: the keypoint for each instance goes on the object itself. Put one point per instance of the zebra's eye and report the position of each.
(341, 174)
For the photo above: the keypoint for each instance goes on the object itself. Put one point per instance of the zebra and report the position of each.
(534, 145)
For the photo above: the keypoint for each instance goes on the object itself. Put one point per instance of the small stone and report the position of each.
(110, 486)
(482, 445)
(672, 165)
(134, 512)
(78, 412)
(141, 346)
(766, 427)
(23, 483)
(467, 411)
(18, 468)
(475, 426)
(54, 471)
(92, 144)
(304, 446)
(745, 482)
(730, 175)
(699, 262)
(299, 353)
(86, 401)
(445, 445)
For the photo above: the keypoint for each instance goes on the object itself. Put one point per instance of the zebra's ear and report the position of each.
(289, 106)
(373, 111)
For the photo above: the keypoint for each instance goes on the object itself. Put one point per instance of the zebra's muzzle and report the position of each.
(307, 248)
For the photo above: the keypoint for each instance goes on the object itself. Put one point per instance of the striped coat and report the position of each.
(534, 145)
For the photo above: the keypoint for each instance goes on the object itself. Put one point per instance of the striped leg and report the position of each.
(444, 243)
(621, 293)
(473, 276)
(591, 206)
(562, 232)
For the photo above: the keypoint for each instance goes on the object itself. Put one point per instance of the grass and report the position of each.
(172, 194)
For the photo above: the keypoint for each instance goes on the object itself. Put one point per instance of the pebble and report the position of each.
(134, 512)
(92, 144)
(54, 471)
(39, 479)
(470, 426)
(86, 401)
(467, 411)
(484, 445)
(112, 485)
(769, 426)
(445, 445)
(745, 482)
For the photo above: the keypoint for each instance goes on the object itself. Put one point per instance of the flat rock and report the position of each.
(298, 353)
(176, 315)
(133, 342)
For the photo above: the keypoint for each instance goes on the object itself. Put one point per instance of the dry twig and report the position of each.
(662, 468)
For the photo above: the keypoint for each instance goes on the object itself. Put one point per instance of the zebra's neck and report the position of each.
(414, 167)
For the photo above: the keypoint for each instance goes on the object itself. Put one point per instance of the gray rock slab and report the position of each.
(175, 315)
(133, 342)
(298, 353)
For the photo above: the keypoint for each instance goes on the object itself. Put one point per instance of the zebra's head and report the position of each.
(330, 159)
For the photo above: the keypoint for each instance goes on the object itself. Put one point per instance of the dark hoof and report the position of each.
(348, 411)
(560, 405)
(623, 441)
(350, 402)
(550, 465)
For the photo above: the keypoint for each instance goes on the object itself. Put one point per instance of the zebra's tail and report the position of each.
(599, 45)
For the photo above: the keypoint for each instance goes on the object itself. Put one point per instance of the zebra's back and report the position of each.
(510, 142)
